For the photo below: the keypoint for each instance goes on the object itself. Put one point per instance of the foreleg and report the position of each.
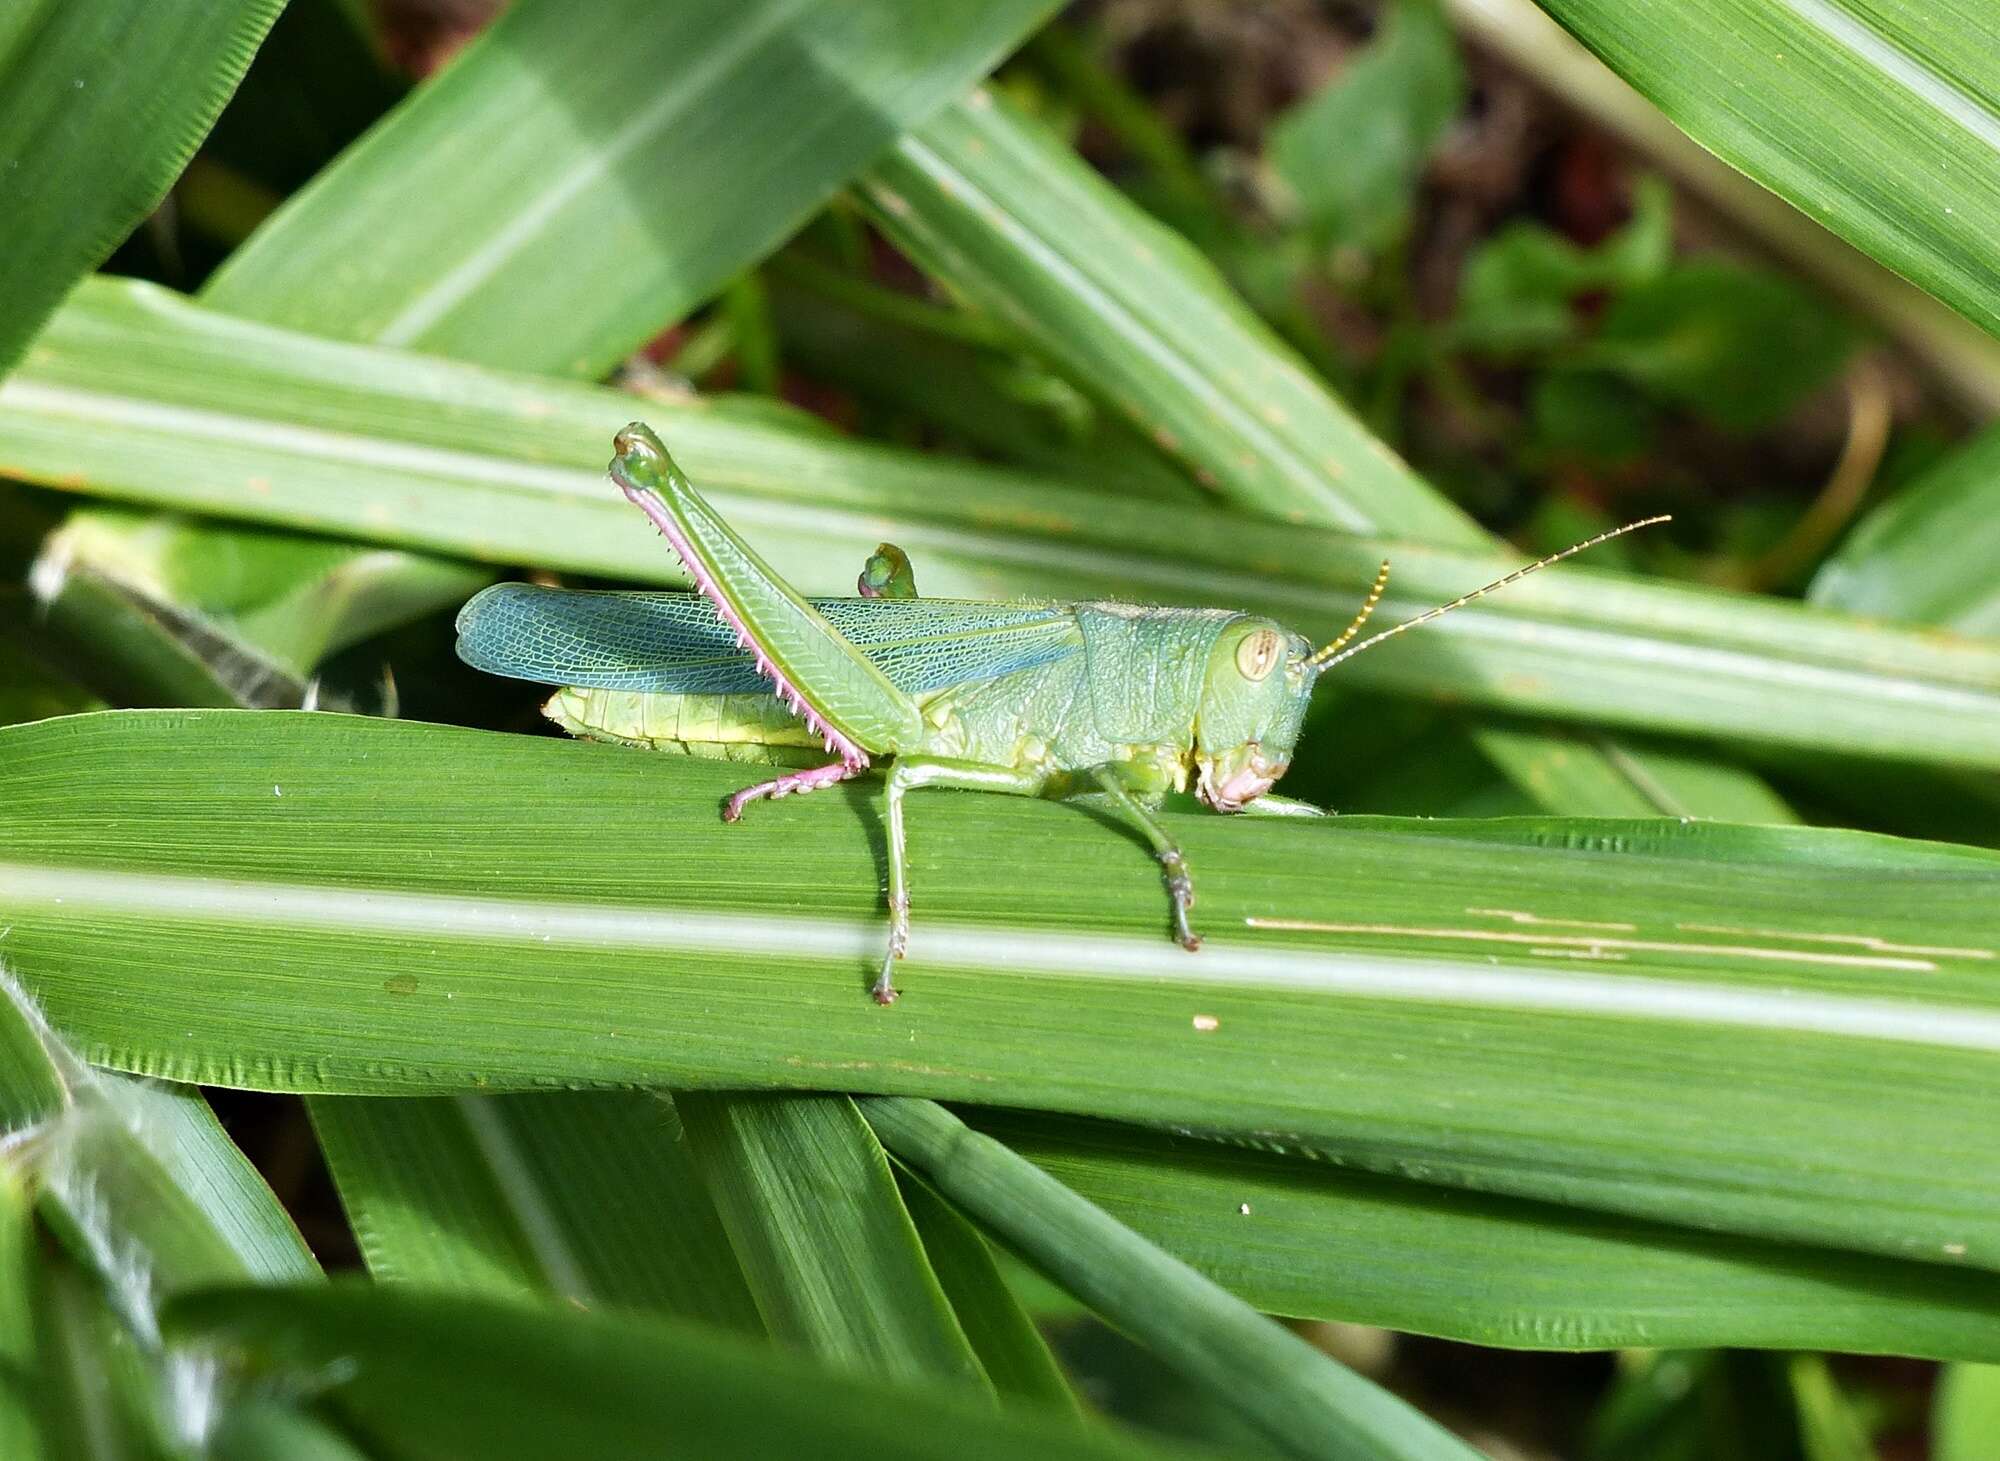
(1180, 886)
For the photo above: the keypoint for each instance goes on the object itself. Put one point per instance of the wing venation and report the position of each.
(675, 643)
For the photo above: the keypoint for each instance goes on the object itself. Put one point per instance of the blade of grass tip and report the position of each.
(101, 105)
(830, 1253)
(589, 1196)
(1135, 314)
(1016, 1357)
(1304, 1402)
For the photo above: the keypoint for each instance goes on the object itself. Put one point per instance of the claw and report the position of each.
(1180, 887)
(883, 991)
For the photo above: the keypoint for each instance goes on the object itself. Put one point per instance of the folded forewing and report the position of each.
(675, 642)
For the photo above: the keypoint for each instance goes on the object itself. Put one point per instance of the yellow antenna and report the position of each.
(1334, 653)
(1367, 607)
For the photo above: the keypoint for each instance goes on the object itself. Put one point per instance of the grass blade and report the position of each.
(1303, 1402)
(101, 105)
(1014, 221)
(592, 1198)
(1927, 554)
(1414, 996)
(1011, 1350)
(1878, 118)
(825, 1243)
(1324, 1243)
(585, 173)
(461, 1376)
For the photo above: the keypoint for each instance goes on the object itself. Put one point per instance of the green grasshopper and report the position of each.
(1031, 699)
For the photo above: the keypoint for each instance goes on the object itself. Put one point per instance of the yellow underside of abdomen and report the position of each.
(750, 727)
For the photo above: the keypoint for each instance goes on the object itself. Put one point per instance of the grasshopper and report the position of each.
(1030, 699)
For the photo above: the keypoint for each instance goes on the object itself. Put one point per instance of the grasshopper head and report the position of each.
(1259, 682)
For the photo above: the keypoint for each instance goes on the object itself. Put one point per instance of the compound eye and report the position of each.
(1258, 654)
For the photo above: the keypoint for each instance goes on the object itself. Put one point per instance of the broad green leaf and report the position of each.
(1319, 1242)
(1878, 118)
(1352, 152)
(101, 105)
(585, 173)
(1928, 554)
(826, 1245)
(449, 1376)
(242, 421)
(1007, 216)
(1966, 1417)
(1563, 1010)
(1303, 1403)
(591, 1198)
(1012, 1352)
(1592, 416)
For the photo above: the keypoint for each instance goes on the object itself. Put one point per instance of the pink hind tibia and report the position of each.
(793, 781)
(852, 757)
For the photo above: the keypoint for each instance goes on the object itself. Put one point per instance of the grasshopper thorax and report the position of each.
(1253, 700)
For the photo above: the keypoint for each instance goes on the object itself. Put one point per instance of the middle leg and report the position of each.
(904, 775)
